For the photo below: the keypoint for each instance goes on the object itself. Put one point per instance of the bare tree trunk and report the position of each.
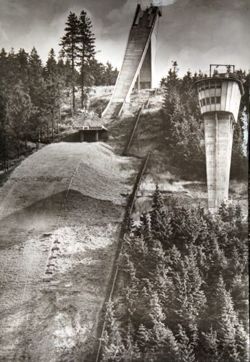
(82, 82)
(82, 87)
(73, 82)
(58, 120)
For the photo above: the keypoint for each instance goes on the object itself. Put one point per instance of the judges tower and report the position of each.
(219, 99)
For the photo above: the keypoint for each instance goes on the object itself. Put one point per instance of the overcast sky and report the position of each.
(193, 32)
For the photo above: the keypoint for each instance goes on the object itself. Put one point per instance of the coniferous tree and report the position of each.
(86, 49)
(3, 136)
(142, 337)
(37, 92)
(172, 285)
(22, 58)
(18, 111)
(187, 353)
(209, 350)
(12, 70)
(113, 347)
(3, 69)
(54, 89)
(69, 44)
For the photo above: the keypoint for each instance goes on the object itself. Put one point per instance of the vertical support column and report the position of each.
(145, 75)
(218, 142)
(139, 82)
(97, 136)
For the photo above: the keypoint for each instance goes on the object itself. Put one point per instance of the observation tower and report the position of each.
(219, 99)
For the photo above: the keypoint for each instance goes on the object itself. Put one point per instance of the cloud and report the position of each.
(3, 35)
(163, 2)
(193, 32)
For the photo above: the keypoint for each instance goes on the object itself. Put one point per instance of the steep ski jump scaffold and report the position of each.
(137, 68)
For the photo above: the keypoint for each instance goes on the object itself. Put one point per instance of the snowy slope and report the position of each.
(60, 214)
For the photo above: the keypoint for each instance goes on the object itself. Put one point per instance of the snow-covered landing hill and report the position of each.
(60, 214)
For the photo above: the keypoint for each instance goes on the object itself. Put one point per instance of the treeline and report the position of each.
(184, 129)
(183, 288)
(32, 93)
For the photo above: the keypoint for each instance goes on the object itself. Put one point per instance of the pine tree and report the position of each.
(3, 69)
(86, 49)
(156, 312)
(209, 343)
(18, 111)
(155, 257)
(145, 228)
(51, 69)
(158, 203)
(142, 337)
(53, 87)
(69, 44)
(37, 92)
(241, 339)
(112, 347)
(187, 296)
(127, 266)
(22, 58)
(3, 136)
(12, 71)
(187, 353)
(142, 306)
(225, 320)
(131, 351)
(109, 74)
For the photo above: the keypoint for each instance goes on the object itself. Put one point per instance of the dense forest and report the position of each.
(32, 93)
(183, 125)
(182, 289)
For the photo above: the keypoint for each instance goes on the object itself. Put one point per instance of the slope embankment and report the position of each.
(60, 217)
(150, 135)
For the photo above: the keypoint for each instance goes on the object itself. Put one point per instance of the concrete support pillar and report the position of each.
(97, 136)
(145, 75)
(138, 83)
(218, 143)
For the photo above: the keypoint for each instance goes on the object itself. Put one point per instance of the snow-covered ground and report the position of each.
(60, 214)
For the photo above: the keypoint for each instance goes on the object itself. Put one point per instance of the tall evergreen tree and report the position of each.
(3, 137)
(69, 44)
(54, 88)
(18, 113)
(37, 92)
(23, 66)
(86, 49)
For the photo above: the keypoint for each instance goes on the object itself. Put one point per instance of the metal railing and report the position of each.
(115, 271)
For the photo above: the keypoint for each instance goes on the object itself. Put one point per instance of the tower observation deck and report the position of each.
(219, 100)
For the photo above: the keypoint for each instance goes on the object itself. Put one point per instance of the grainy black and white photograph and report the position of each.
(124, 180)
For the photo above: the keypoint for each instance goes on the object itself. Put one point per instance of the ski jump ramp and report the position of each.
(137, 68)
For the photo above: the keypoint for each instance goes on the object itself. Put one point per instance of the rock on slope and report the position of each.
(60, 214)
